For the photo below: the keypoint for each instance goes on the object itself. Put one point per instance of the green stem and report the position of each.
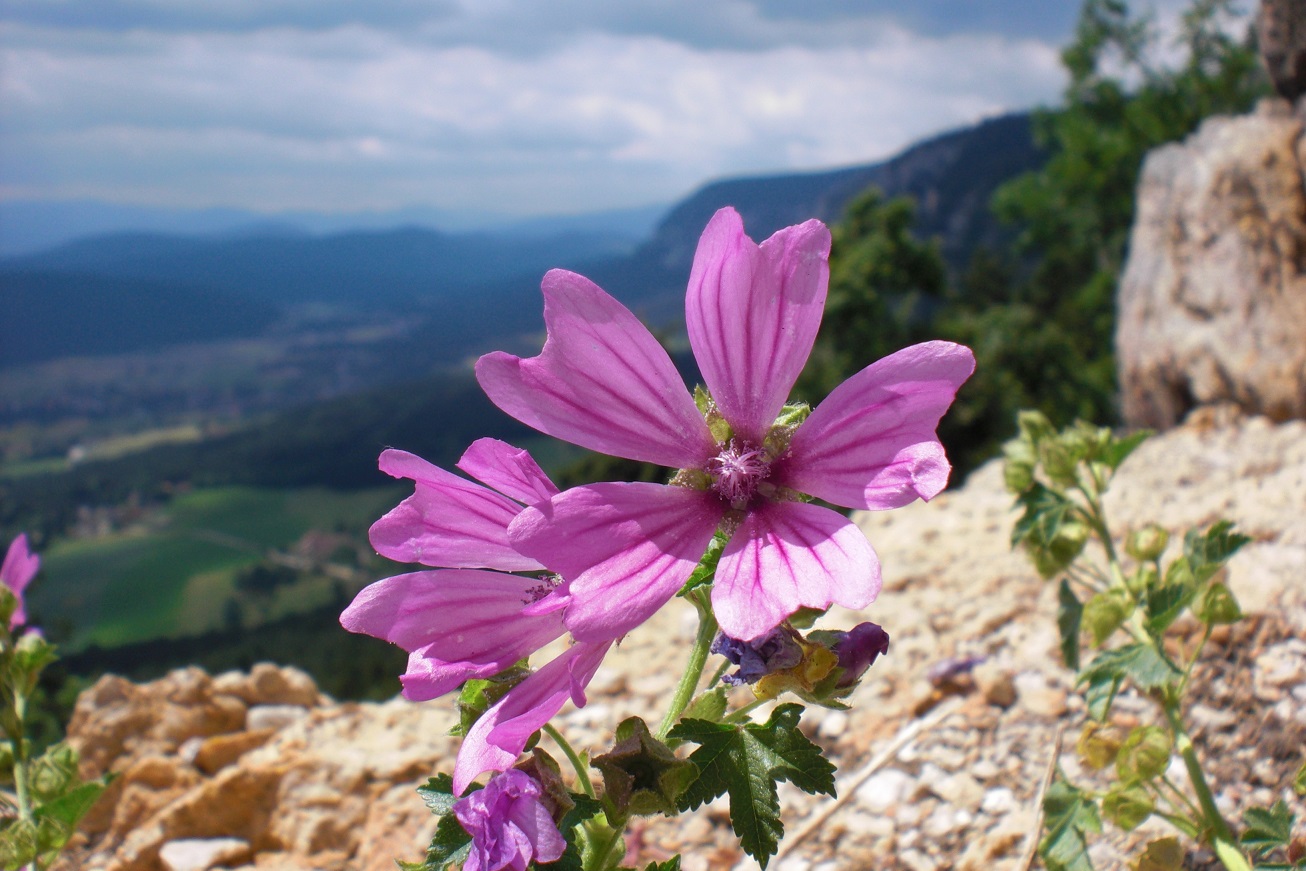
(582, 774)
(1214, 821)
(742, 714)
(707, 628)
(1197, 654)
(1179, 793)
(601, 859)
(20, 757)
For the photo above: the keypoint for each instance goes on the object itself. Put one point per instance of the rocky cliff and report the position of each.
(258, 771)
(1212, 303)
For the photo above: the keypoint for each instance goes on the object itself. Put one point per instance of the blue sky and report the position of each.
(502, 106)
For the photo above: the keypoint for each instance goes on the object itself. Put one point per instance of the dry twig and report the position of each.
(1031, 850)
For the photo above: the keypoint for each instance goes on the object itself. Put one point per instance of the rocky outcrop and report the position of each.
(1212, 303)
(208, 780)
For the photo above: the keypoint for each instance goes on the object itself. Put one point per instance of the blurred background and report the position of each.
(247, 244)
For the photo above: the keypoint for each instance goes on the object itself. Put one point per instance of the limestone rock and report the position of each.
(1212, 302)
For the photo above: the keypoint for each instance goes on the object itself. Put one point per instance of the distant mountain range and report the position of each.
(480, 288)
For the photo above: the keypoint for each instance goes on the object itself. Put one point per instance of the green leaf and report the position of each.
(1166, 602)
(1046, 511)
(1267, 828)
(451, 843)
(1140, 662)
(1144, 755)
(1299, 781)
(1208, 551)
(672, 864)
(1068, 813)
(746, 762)
(1104, 614)
(1101, 692)
(479, 695)
(583, 809)
(1117, 449)
(705, 571)
(1069, 614)
(1230, 856)
(69, 808)
(1127, 805)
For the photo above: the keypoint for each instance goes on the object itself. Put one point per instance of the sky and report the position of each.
(513, 107)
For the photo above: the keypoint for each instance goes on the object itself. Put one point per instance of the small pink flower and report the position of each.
(467, 621)
(510, 825)
(20, 566)
(603, 382)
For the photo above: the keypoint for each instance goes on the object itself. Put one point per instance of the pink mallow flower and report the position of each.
(472, 620)
(510, 825)
(603, 382)
(20, 566)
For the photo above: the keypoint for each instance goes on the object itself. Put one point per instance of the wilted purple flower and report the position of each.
(602, 381)
(20, 566)
(775, 651)
(510, 825)
(858, 649)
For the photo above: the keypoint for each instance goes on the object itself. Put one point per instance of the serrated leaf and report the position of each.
(746, 762)
(672, 864)
(69, 808)
(1068, 813)
(1167, 601)
(1069, 614)
(1127, 805)
(1267, 828)
(1118, 449)
(1208, 551)
(583, 809)
(1046, 511)
(1140, 662)
(451, 843)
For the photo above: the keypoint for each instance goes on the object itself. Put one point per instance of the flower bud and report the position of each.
(1147, 543)
(858, 650)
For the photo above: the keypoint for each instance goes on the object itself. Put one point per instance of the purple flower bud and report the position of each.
(509, 824)
(774, 651)
(858, 649)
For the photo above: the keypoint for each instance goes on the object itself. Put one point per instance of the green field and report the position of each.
(175, 573)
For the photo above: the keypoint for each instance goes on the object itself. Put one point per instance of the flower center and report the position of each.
(737, 471)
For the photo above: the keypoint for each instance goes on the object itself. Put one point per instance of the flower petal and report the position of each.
(791, 555)
(448, 521)
(20, 565)
(753, 313)
(429, 678)
(510, 470)
(457, 615)
(496, 740)
(602, 381)
(872, 442)
(626, 548)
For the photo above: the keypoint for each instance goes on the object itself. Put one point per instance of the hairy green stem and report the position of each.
(707, 628)
(582, 774)
(742, 714)
(1214, 821)
(603, 846)
(19, 742)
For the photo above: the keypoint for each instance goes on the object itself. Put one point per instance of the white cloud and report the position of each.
(355, 117)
